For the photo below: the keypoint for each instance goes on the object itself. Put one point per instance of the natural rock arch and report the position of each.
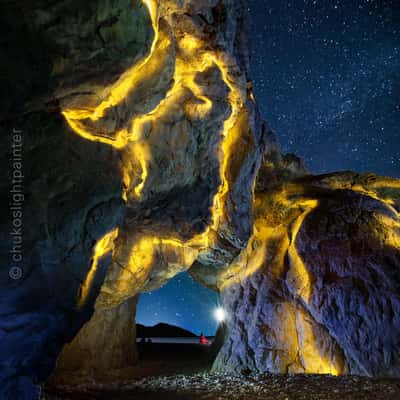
(300, 297)
(165, 165)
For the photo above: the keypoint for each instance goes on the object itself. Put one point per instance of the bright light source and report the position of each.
(220, 314)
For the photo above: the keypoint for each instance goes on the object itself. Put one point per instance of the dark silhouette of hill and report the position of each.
(162, 330)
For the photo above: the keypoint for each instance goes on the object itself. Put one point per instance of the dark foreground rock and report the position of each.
(230, 387)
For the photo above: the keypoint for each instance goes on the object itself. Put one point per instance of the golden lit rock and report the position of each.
(146, 156)
(305, 286)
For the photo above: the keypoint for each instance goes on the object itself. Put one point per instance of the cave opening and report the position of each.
(176, 328)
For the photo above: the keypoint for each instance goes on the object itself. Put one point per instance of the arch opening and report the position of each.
(176, 328)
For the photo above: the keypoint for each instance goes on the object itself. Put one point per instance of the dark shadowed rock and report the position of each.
(106, 343)
(71, 199)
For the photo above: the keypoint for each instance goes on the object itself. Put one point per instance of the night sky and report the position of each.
(327, 79)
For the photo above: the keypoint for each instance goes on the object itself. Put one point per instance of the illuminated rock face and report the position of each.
(184, 122)
(137, 116)
(317, 289)
(142, 143)
(108, 340)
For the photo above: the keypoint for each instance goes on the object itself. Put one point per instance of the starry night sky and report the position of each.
(327, 79)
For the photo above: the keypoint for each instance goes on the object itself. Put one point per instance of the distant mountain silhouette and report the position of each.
(162, 330)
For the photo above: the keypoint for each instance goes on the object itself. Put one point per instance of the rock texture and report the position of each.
(70, 193)
(109, 343)
(130, 113)
(194, 138)
(135, 143)
(317, 289)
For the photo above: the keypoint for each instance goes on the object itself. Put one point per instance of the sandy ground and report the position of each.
(168, 372)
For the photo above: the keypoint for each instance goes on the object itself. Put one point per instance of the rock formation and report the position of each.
(317, 289)
(143, 155)
(109, 343)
